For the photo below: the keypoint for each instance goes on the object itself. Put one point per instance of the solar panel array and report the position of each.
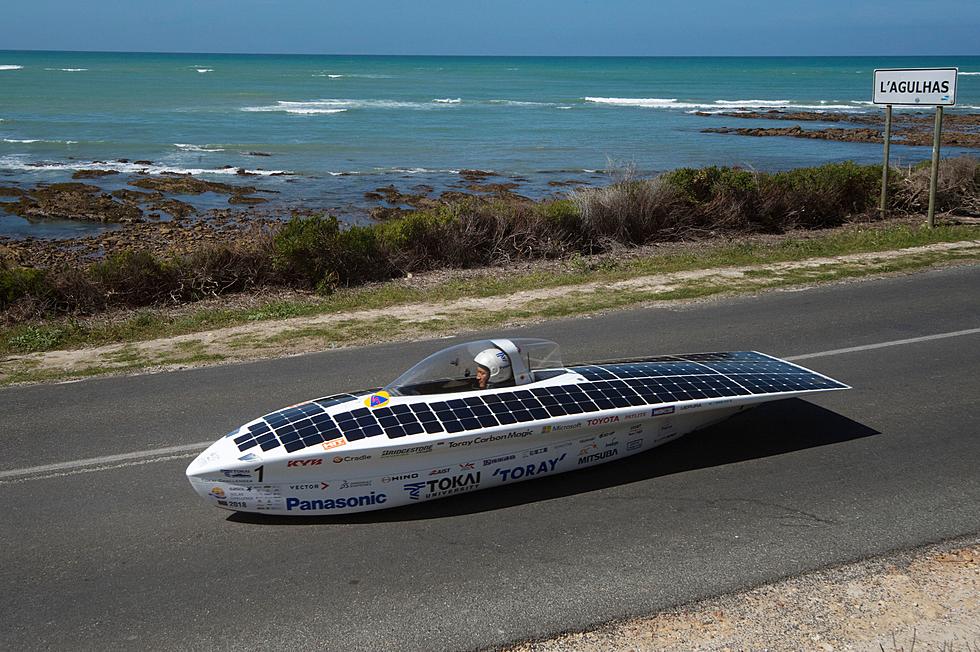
(653, 381)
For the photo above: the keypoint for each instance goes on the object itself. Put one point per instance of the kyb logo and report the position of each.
(602, 421)
(316, 462)
(350, 458)
(443, 486)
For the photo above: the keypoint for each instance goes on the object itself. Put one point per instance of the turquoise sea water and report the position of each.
(341, 125)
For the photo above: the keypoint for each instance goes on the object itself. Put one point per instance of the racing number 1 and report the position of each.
(259, 471)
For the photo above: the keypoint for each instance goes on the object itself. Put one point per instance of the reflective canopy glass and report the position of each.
(454, 370)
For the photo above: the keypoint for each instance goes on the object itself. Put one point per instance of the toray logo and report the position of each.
(528, 470)
(314, 462)
(602, 420)
(377, 400)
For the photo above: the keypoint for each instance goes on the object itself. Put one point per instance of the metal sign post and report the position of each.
(935, 166)
(884, 167)
(915, 87)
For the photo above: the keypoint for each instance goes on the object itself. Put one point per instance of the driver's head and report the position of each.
(493, 366)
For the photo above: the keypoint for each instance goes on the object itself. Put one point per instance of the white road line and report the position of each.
(882, 345)
(189, 450)
(108, 461)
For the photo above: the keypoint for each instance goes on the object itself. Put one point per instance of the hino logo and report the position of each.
(396, 478)
(314, 462)
(602, 420)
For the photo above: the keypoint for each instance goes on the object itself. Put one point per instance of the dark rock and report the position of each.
(242, 172)
(475, 175)
(373, 196)
(178, 209)
(569, 182)
(142, 162)
(190, 186)
(126, 194)
(7, 191)
(93, 174)
(73, 201)
(241, 199)
(258, 154)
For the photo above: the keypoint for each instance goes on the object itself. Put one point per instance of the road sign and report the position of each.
(915, 86)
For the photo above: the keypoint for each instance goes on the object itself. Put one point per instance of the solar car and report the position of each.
(478, 415)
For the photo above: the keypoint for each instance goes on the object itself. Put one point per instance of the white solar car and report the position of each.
(479, 415)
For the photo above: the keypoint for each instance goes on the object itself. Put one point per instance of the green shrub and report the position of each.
(17, 282)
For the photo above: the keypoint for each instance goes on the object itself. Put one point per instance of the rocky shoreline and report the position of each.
(916, 129)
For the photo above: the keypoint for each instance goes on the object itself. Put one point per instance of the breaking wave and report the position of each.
(197, 148)
(204, 70)
(340, 105)
(16, 163)
(68, 69)
(961, 73)
(28, 141)
(10, 67)
(718, 105)
(448, 100)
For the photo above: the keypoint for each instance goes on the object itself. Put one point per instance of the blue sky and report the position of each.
(501, 27)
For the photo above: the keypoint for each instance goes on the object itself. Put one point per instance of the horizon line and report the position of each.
(490, 56)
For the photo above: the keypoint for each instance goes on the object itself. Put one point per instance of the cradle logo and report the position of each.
(335, 503)
(350, 458)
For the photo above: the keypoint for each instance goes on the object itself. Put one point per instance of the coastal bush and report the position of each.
(17, 282)
(314, 252)
(957, 186)
(822, 196)
(631, 213)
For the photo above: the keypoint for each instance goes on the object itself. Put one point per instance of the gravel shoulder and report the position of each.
(927, 599)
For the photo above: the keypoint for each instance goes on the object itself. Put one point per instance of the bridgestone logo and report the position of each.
(407, 451)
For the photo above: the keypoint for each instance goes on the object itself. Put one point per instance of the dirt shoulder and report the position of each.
(276, 338)
(927, 599)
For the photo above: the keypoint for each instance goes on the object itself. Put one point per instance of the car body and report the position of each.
(432, 433)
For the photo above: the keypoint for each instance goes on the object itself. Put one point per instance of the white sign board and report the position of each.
(916, 86)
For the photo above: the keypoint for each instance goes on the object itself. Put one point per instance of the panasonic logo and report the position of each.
(335, 503)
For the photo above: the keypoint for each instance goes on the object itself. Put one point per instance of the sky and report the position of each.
(498, 27)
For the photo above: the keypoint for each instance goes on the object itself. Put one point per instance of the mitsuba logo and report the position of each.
(314, 462)
(528, 470)
(595, 457)
(602, 420)
(443, 486)
(335, 503)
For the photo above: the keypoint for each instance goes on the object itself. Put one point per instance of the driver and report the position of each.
(492, 368)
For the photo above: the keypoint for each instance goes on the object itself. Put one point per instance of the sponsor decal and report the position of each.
(666, 425)
(349, 484)
(602, 421)
(691, 406)
(514, 434)
(249, 457)
(308, 462)
(634, 444)
(443, 486)
(663, 410)
(237, 474)
(334, 443)
(407, 451)
(335, 503)
(588, 449)
(528, 470)
(587, 439)
(467, 467)
(338, 459)
(498, 460)
(376, 400)
(439, 471)
(605, 434)
(611, 443)
(535, 451)
(636, 415)
(397, 478)
(232, 503)
(324, 486)
(561, 426)
(303, 487)
(218, 492)
(595, 457)
(635, 429)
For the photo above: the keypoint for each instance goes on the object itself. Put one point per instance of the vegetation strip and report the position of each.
(604, 289)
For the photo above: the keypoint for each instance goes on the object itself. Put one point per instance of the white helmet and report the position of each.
(496, 362)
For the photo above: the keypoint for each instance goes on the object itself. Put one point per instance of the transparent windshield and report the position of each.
(454, 369)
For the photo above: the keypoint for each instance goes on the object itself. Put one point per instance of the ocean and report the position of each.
(320, 131)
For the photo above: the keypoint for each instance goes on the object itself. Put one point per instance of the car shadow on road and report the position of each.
(770, 429)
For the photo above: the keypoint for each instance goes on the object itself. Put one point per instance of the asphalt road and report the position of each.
(125, 555)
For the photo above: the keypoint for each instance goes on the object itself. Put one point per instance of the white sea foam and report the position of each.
(28, 141)
(197, 148)
(68, 69)
(725, 105)
(962, 73)
(448, 100)
(20, 140)
(519, 103)
(18, 163)
(563, 107)
(11, 67)
(339, 105)
(203, 70)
